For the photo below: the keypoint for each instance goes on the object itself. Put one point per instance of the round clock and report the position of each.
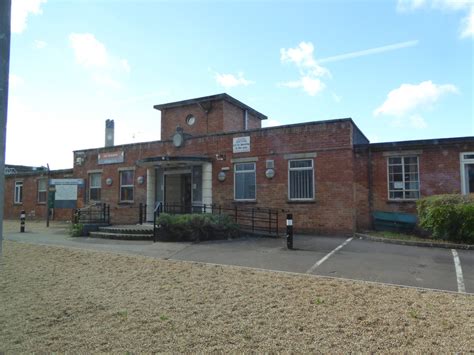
(178, 139)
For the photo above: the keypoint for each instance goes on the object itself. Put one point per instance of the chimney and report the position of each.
(109, 133)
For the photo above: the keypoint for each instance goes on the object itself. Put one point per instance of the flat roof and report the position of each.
(418, 142)
(222, 96)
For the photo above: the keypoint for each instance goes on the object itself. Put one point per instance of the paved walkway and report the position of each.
(350, 258)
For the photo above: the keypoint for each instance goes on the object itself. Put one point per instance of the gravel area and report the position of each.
(56, 299)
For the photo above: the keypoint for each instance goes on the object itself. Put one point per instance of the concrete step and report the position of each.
(144, 229)
(122, 236)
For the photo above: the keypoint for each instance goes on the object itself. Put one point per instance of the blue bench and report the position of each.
(394, 221)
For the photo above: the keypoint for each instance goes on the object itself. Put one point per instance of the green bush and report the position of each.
(195, 227)
(449, 217)
(76, 229)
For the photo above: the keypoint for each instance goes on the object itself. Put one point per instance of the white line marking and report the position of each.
(459, 277)
(312, 268)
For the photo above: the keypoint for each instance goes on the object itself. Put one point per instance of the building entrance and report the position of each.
(178, 192)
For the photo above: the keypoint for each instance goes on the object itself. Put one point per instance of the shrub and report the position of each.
(449, 217)
(195, 227)
(76, 230)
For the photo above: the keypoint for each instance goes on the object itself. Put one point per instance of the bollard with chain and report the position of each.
(22, 221)
(289, 231)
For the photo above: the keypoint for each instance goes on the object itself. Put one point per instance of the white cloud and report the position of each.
(409, 97)
(310, 71)
(21, 9)
(38, 44)
(230, 80)
(15, 81)
(271, 123)
(88, 51)
(416, 121)
(92, 54)
(467, 24)
(310, 85)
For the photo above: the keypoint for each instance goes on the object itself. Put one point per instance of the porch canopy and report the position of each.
(167, 161)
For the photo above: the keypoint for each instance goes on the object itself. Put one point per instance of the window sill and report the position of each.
(293, 202)
(245, 202)
(18, 203)
(401, 201)
(41, 203)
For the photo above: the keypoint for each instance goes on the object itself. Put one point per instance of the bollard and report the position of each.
(22, 221)
(289, 231)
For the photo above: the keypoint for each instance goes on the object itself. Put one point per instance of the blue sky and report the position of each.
(401, 69)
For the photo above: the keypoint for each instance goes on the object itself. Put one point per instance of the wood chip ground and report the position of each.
(56, 299)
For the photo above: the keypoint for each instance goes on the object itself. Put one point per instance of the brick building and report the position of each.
(214, 151)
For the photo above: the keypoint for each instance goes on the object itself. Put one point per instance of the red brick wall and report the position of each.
(234, 118)
(33, 208)
(439, 167)
(333, 208)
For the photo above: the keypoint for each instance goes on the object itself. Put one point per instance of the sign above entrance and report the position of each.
(110, 158)
(241, 145)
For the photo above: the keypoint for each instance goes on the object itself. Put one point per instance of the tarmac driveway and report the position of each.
(350, 258)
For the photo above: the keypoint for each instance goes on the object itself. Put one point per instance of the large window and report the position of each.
(126, 186)
(18, 198)
(301, 179)
(42, 190)
(95, 185)
(403, 178)
(244, 181)
(467, 173)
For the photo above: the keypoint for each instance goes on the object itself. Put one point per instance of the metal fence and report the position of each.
(93, 214)
(266, 221)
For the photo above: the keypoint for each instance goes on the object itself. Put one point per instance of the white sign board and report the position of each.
(66, 192)
(66, 181)
(398, 185)
(241, 145)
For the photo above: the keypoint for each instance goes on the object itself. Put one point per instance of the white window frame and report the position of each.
(290, 169)
(126, 186)
(403, 177)
(95, 187)
(39, 191)
(18, 192)
(463, 162)
(254, 170)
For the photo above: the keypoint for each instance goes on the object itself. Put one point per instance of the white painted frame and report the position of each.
(403, 156)
(297, 169)
(463, 162)
(246, 171)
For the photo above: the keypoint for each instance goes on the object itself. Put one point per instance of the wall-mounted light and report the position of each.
(140, 180)
(270, 173)
(108, 181)
(221, 176)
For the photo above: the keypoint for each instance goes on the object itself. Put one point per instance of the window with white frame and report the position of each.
(95, 186)
(301, 179)
(42, 190)
(403, 178)
(18, 198)
(244, 181)
(467, 173)
(126, 186)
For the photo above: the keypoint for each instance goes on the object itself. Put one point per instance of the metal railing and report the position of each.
(251, 219)
(98, 213)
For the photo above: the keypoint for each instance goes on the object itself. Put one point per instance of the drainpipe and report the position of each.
(370, 182)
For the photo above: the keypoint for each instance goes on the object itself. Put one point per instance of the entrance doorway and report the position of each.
(467, 173)
(178, 192)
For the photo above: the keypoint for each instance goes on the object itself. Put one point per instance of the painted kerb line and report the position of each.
(312, 268)
(459, 277)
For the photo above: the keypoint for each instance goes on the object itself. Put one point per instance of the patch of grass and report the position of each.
(317, 300)
(414, 313)
(163, 318)
(402, 236)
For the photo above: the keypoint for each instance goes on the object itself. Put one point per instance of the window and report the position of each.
(95, 185)
(403, 178)
(467, 173)
(42, 190)
(126, 186)
(244, 181)
(301, 179)
(18, 192)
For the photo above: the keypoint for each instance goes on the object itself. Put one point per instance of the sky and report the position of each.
(401, 69)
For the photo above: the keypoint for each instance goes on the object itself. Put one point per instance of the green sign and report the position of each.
(51, 199)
